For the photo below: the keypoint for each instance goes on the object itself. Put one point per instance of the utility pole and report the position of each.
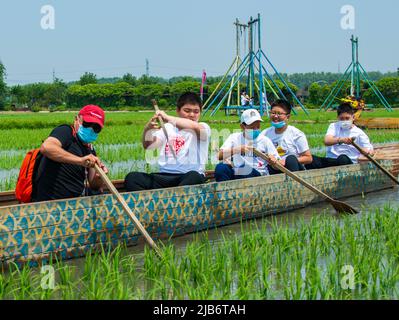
(147, 68)
(53, 75)
(239, 29)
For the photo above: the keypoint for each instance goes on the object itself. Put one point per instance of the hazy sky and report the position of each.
(181, 37)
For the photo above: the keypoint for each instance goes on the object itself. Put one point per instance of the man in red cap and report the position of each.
(68, 157)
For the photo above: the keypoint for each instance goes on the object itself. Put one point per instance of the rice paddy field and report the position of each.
(119, 144)
(324, 257)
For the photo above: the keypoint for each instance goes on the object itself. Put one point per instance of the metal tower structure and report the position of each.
(251, 68)
(355, 71)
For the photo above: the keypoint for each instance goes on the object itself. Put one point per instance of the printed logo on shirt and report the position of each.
(177, 143)
(280, 150)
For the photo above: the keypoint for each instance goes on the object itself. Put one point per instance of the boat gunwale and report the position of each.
(222, 186)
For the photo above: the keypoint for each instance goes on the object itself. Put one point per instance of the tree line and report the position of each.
(130, 91)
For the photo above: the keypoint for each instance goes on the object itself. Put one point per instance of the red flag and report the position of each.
(203, 82)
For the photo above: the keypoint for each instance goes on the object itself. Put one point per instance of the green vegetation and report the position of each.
(389, 87)
(122, 93)
(119, 145)
(304, 80)
(273, 260)
(3, 86)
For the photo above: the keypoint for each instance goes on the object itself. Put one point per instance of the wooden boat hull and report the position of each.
(69, 228)
(378, 123)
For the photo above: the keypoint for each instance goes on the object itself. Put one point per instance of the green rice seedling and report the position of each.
(274, 260)
(5, 283)
(66, 284)
(22, 287)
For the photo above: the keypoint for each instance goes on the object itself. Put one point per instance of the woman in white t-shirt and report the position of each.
(338, 140)
(237, 151)
(290, 142)
(189, 139)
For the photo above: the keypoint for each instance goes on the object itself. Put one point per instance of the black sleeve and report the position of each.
(63, 134)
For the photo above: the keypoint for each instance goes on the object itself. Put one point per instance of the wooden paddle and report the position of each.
(379, 166)
(132, 216)
(154, 103)
(339, 206)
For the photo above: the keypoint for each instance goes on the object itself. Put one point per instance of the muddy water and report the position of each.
(362, 203)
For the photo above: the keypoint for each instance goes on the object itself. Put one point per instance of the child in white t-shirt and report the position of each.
(185, 165)
(239, 148)
(338, 140)
(244, 99)
(290, 142)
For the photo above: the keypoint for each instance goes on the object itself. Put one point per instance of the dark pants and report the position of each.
(291, 163)
(136, 181)
(320, 162)
(224, 172)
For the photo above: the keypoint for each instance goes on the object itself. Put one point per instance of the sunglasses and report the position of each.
(96, 127)
(278, 114)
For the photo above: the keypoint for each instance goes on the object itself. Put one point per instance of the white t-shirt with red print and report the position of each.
(191, 151)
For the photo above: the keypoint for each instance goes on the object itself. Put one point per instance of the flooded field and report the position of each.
(302, 254)
(367, 202)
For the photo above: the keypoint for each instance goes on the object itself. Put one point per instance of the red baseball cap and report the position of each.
(93, 113)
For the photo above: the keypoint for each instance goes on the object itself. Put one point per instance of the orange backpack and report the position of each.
(23, 190)
(26, 177)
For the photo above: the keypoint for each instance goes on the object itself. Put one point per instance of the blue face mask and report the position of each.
(278, 125)
(87, 135)
(252, 134)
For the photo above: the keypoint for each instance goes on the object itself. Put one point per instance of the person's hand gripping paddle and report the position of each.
(154, 103)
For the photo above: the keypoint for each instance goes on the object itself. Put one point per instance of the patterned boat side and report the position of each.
(69, 228)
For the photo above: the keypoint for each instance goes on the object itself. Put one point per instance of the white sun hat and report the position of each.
(250, 116)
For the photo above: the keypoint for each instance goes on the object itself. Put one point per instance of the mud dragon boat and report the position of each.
(35, 233)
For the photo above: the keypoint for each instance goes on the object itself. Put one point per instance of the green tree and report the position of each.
(3, 86)
(318, 93)
(150, 80)
(88, 78)
(55, 93)
(105, 95)
(314, 94)
(389, 88)
(17, 95)
(129, 78)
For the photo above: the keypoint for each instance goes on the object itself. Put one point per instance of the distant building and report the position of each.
(302, 94)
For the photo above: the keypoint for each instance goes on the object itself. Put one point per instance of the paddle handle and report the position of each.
(377, 164)
(154, 103)
(292, 175)
(125, 206)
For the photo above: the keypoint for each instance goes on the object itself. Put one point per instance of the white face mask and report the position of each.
(346, 125)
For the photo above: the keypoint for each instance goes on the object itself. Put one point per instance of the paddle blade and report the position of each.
(342, 207)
